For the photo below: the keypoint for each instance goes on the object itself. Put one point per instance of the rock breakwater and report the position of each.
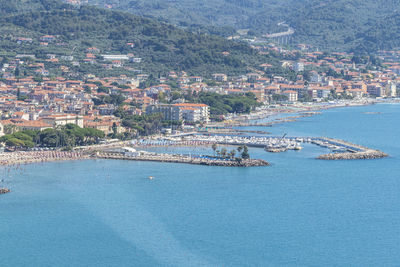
(370, 154)
(175, 158)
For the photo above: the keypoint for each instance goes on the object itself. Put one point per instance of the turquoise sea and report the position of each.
(298, 212)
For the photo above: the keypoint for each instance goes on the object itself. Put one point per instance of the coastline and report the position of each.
(302, 109)
(80, 153)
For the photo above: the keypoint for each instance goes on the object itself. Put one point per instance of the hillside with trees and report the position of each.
(348, 25)
(161, 46)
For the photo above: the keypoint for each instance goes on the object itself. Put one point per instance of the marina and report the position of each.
(341, 150)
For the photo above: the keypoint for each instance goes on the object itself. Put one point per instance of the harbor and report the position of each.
(340, 149)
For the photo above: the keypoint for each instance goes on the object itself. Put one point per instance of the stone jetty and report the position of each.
(4, 191)
(351, 151)
(176, 158)
(369, 154)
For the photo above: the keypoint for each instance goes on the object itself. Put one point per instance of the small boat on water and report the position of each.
(4, 191)
(151, 177)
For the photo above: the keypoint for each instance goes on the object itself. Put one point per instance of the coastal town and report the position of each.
(199, 133)
(34, 98)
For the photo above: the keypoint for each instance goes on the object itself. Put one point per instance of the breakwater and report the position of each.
(371, 154)
(177, 158)
(349, 151)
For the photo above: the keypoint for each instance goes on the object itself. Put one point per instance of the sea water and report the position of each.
(299, 211)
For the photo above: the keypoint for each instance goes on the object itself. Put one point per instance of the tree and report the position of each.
(17, 72)
(232, 153)
(214, 147)
(10, 128)
(115, 129)
(245, 153)
(14, 142)
(223, 152)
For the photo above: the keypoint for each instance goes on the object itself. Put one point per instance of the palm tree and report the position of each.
(245, 153)
(214, 147)
(223, 152)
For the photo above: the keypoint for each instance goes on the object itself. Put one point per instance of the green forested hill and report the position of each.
(240, 14)
(358, 25)
(160, 45)
(328, 24)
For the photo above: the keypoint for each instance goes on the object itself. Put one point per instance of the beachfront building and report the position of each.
(375, 89)
(291, 95)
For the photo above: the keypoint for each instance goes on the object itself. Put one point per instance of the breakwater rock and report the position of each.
(175, 158)
(4, 191)
(369, 154)
(242, 163)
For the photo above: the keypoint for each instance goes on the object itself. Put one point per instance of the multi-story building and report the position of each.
(63, 119)
(203, 110)
(169, 112)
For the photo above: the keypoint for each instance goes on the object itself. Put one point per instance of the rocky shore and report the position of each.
(370, 154)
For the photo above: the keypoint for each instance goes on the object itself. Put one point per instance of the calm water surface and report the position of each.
(297, 212)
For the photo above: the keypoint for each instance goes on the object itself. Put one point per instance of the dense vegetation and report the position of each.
(141, 124)
(355, 25)
(239, 14)
(224, 104)
(161, 46)
(66, 136)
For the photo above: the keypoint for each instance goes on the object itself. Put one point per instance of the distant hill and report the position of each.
(239, 14)
(356, 25)
(328, 24)
(162, 46)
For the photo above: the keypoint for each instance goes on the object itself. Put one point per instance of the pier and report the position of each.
(177, 158)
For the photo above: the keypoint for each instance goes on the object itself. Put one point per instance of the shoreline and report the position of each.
(81, 153)
(28, 157)
(303, 110)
